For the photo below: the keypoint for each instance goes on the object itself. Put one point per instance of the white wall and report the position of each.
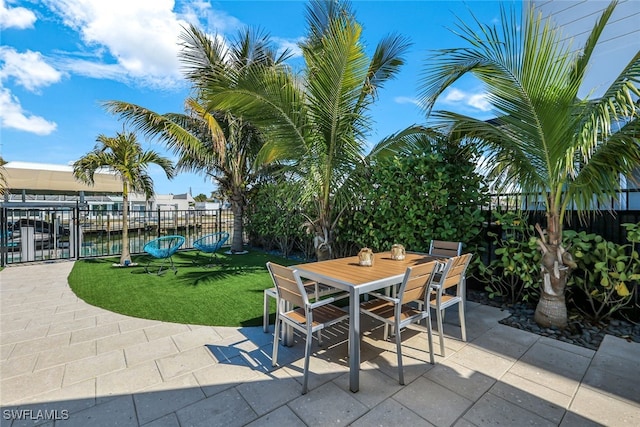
(618, 44)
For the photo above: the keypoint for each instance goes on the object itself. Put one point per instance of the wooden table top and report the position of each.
(349, 272)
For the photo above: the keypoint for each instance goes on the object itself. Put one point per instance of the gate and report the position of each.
(57, 233)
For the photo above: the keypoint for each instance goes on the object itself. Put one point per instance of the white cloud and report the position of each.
(407, 100)
(480, 102)
(12, 116)
(454, 95)
(141, 36)
(16, 17)
(292, 45)
(28, 69)
(216, 21)
(477, 101)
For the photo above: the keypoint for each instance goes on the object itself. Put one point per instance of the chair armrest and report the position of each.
(384, 297)
(321, 302)
(340, 296)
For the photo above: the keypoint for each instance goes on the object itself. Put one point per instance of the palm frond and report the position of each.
(123, 155)
(152, 124)
(412, 138)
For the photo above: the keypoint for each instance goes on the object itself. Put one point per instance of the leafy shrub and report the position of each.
(608, 274)
(515, 272)
(413, 198)
(604, 283)
(275, 220)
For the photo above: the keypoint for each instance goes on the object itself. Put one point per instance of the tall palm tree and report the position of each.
(207, 141)
(316, 122)
(124, 156)
(545, 139)
(3, 179)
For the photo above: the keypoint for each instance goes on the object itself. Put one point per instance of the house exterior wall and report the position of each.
(619, 43)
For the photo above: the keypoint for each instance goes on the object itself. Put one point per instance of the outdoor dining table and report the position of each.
(346, 274)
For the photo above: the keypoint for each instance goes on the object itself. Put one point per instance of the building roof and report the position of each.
(39, 178)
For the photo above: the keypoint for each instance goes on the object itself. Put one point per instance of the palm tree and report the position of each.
(3, 179)
(122, 155)
(545, 139)
(212, 142)
(316, 122)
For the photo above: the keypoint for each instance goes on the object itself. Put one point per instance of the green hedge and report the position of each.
(415, 197)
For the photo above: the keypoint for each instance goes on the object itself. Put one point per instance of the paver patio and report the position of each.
(62, 358)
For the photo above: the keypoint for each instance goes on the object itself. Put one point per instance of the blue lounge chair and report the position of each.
(211, 243)
(163, 248)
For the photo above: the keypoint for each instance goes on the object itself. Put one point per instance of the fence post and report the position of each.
(74, 235)
(4, 237)
(159, 228)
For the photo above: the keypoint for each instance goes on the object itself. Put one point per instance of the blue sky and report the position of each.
(59, 59)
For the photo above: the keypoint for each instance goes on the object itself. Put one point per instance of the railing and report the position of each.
(48, 234)
(53, 233)
(605, 220)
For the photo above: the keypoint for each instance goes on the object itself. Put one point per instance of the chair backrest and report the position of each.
(214, 239)
(164, 246)
(416, 281)
(454, 271)
(444, 248)
(288, 285)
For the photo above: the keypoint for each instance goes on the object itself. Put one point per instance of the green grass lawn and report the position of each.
(230, 293)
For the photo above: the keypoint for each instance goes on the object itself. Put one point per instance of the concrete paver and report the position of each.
(67, 363)
(433, 402)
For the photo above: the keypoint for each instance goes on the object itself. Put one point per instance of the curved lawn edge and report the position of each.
(230, 293)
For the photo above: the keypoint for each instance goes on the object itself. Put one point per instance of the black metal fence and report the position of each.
(55, 233)
(605, 221)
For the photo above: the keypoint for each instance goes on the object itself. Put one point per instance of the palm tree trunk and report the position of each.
(556, 265)
(552, 309)
(125, 256)
(237, 207)
(322, 243)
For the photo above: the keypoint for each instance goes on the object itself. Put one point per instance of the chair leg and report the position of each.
(209, 262)
(146, 268)
(462, 322)
(274, 358)
(265, 314)
(307, 355)
(430, 336)
(171, 266)
(399, 351)
(213, 260)
(440, 318)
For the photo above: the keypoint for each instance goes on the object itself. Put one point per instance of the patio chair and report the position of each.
(163, 248)
(314, 290)
(305, 316)
(442, 248)
(397, 312)
(210, 244)
(452, 279)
